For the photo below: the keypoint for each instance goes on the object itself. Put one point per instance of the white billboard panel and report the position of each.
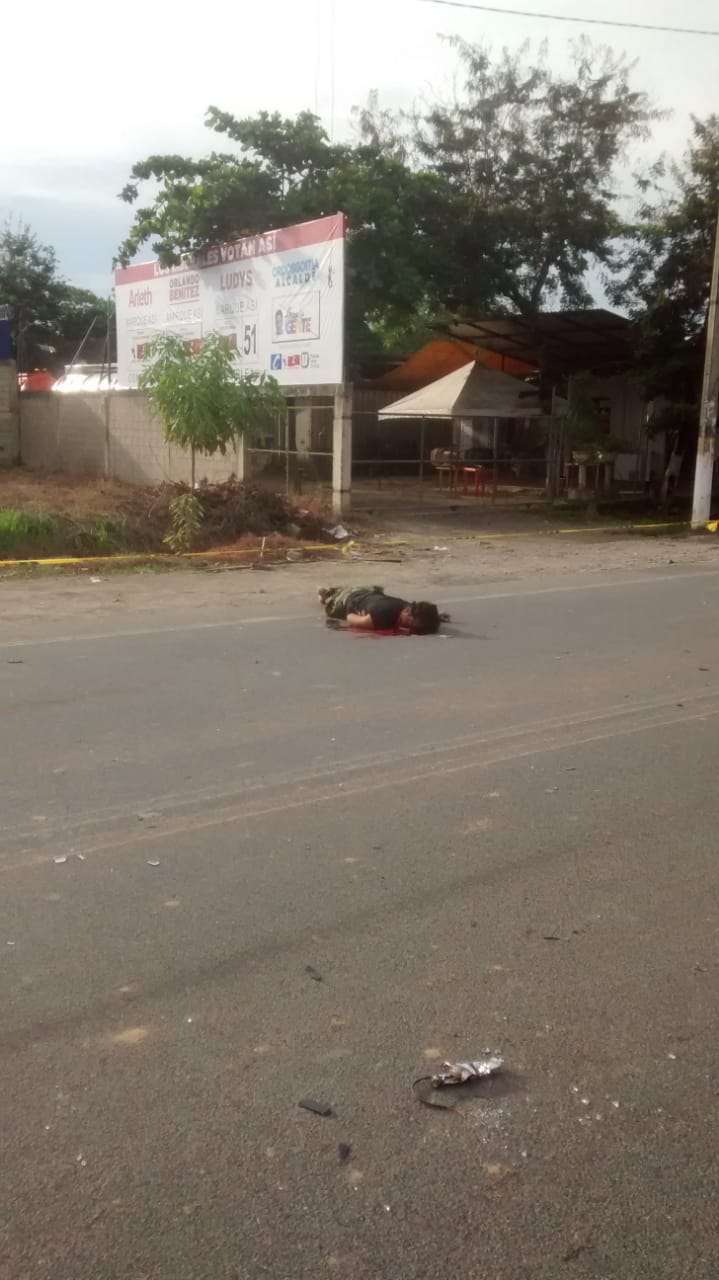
(277, 297)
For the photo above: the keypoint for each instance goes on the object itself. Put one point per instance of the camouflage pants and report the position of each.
(337, 602)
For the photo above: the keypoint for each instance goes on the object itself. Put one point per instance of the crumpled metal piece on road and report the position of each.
(464, 1072)
(431, 1090)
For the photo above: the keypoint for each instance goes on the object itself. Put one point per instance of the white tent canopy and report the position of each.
(470, 392)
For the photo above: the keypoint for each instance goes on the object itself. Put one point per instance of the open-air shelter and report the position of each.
(462, 397)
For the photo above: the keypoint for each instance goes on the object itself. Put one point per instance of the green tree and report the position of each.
(204, 402)
(51, 316)
(529, 156)
(287, 171)
(502, 199)
(663, 274)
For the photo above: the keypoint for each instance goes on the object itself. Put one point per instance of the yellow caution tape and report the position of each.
(166, 558)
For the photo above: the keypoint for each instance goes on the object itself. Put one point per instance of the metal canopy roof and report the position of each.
(564, 341)
(470, 392)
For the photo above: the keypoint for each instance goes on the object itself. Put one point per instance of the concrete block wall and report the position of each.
(9, 436)
(81, 434)
(39, 426)
(137, 450)
(116, 435)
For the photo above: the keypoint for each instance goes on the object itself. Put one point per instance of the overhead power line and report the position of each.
(564, 17)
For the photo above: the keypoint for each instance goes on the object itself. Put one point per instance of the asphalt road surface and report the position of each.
(505, 839)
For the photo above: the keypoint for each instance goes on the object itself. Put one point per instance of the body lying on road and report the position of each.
(370, 609)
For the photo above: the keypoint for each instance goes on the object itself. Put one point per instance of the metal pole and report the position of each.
(495, 450)
(703, 475)
(81, 347)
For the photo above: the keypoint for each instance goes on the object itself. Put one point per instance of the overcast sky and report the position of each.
(90, 89)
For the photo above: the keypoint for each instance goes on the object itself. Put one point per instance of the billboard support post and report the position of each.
(706, 444)
(342, 450)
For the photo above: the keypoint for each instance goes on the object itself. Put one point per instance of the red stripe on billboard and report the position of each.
(301, 236)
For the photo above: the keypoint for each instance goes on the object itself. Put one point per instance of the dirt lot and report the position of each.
(76, 496)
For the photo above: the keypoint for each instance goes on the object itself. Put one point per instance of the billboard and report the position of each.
(278, 298)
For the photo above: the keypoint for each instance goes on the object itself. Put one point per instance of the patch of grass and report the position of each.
(36, 533)
(25, 529)
(102, 536)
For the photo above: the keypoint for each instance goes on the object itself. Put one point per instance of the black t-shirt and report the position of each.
(383, 610)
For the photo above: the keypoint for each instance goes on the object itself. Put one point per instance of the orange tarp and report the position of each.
(445, 355)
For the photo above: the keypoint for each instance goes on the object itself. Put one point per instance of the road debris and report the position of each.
(317, 1108)
(15, 662)
(313, 973)
(96, 579)
(339, 533)
(62, 857)
(153, 862)
(463, 1072)
(429, 1089)
(344, 1152)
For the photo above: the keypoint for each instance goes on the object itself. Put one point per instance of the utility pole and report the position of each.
(706, 444)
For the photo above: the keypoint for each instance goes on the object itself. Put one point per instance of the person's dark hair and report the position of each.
(425, 618)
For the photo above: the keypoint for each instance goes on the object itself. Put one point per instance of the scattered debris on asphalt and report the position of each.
(15, 662)
(317, 1108)
(96, 579)
(62, 857)
(344, 1151)
(551, 937)
(153, 862)
(313, 973)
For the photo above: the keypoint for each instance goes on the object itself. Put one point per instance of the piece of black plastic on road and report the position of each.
(319, 1108)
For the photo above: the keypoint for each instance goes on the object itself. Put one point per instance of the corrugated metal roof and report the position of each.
(567, 341)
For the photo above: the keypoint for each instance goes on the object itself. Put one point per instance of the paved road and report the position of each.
(503, 838)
